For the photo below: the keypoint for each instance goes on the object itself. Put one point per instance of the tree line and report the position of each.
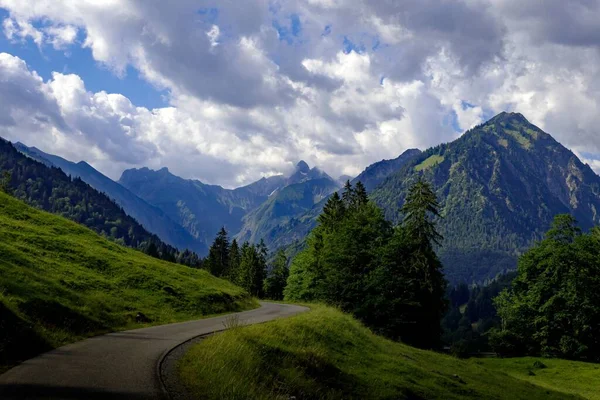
(247, 266)
(549, 306)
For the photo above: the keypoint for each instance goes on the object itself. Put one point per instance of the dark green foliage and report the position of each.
(553, 307)
(389, 278)
(277, 277)
(49, 189)
(234, 261)
(253, 268)
(470, 328)
(5, 179)
(218, 262)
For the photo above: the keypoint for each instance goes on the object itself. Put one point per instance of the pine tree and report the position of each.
(234, 261)
(218, 255)
(333, 212)
(360, 195)
(252, 269)
(348, 194)
(429, 284)
(277, 278)
(420, 206)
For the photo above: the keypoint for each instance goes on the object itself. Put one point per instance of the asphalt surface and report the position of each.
(121, 365)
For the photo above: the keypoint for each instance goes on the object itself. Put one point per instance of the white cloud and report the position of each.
(251, 93)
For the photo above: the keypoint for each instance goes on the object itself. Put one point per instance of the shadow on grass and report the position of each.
(18, 340)
(53, 314)
(43, 392)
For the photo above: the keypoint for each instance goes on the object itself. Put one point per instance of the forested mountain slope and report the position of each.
(500, 186)
(50, 189)
(152, 218)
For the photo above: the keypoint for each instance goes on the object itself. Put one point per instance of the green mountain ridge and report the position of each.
(499, 185)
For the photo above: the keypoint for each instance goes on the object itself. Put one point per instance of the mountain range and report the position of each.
(499, 186)
(152, 218)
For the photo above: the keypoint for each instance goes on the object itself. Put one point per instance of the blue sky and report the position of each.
(78, 60)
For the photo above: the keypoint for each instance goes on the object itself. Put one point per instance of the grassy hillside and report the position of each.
(571, 377)
(60, 282)
(324, 354)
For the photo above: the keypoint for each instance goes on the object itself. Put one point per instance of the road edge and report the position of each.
(167, 363)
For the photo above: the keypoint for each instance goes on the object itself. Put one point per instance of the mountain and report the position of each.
(152, 218)
(304, 173)
(286, 204)
(289, 230)
(376, 173)
(499, 186)
(200, 208)
(50, 189)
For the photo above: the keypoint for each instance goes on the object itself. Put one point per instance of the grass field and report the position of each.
(60, 282)
(325, 354)
(572, 377)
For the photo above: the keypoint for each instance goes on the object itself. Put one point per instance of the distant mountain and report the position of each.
(499, 185)
(152, 218)
(50, 189)
(304, 173)
(376, 173)
(200, 208)
(306, 188)
(283, 226)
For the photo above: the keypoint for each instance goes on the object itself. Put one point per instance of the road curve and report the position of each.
(121, 365)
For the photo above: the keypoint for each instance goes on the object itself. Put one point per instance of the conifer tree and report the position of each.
(333, 212)
(426, 274)
(277, 278)
(234, 261)
(360, 195)
(348, 194)
(218, 255)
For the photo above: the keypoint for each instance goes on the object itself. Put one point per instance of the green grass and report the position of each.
(60, 282)
(429, 162)
(571, 377)
(325, 354)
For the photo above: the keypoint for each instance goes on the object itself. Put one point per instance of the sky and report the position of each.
(228, 91)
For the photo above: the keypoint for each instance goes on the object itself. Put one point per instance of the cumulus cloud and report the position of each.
(254, 86)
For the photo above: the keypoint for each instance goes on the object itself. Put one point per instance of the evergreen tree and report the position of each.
(360, 195)
(234, 261)
(420, 206)
(218, 255)
(277, 278)
(348, 194)
(553, 306)
(425, 269)
(252, 269)
(333, 212)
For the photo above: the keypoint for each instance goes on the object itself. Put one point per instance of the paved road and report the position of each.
(120, 365)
